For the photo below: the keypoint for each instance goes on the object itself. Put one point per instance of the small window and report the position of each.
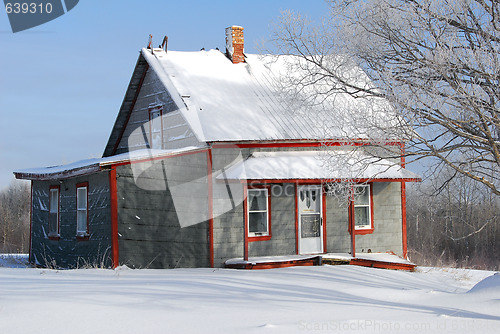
(54, 203)
(362, 208)
(82, 209)
(258, 212)
(156, 126)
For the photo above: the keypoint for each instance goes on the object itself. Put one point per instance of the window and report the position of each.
(82, 228)
(258, 212)
(54, 211)
(362, 208)
(156, 126)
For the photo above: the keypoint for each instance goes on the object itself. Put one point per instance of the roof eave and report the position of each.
(58, 175)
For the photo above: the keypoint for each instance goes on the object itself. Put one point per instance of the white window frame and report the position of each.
(79, 230)
(258, 234)
(367, 191)
(156, 126)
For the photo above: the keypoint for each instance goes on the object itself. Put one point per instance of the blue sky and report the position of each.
(62, 83)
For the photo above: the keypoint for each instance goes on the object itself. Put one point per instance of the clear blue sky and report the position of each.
(62, 83)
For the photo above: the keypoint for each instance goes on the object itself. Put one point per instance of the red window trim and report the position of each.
(150, 111)
(366, 230)
(262, 237)
(86, 235)
(56, 236)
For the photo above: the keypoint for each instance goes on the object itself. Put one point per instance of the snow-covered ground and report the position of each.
(326, 299)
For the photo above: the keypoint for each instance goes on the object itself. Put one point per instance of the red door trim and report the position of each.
(324, 218)
(352, 226)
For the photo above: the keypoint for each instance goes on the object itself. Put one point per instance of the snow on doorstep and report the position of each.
(315, 165)
(320, 299)
(92, 165)
(223, 101)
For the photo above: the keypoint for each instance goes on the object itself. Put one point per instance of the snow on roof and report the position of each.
(88, 166)
(289, 165)
(223, 101)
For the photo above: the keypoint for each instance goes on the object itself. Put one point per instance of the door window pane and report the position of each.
(310, 226)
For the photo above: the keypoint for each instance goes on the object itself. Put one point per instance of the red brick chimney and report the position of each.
(234, 44)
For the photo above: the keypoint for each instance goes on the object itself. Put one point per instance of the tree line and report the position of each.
(453, 222)
(15, 218)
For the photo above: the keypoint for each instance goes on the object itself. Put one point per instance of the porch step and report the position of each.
(270, 262)
(373, 260)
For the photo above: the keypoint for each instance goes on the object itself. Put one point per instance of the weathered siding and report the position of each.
(176, 132)
(68, 252)
(337, 223)
(164, 224)
(228, 212)
(387, 235)
(283, 237)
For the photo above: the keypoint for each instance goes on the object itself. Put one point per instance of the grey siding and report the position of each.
(283, 237)
(164, 224)
(338, 239)
(68, 252)
(228, 209)
(387, 234)
(176, 132)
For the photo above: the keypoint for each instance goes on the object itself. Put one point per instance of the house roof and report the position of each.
(88, 166)
(222, 101)
(303, 165)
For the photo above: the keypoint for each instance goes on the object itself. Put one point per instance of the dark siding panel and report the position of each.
(68, 252)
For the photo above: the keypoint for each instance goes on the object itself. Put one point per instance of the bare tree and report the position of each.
(436, 62)
(458, 225)
(15, 218)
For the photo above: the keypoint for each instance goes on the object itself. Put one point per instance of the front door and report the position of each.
(310, 219)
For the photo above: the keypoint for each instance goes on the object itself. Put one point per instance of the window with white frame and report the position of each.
(258, 217)
(156, 126)
(362, 207)
(82, 210)
(54, 211)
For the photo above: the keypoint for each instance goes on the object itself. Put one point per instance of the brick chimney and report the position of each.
(234, 44)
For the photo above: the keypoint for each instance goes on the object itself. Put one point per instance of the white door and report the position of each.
(310, 219)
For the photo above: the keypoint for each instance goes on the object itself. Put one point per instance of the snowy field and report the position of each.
(327, 299)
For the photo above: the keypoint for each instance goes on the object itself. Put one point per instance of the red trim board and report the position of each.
(210, 209)
(324, 218)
